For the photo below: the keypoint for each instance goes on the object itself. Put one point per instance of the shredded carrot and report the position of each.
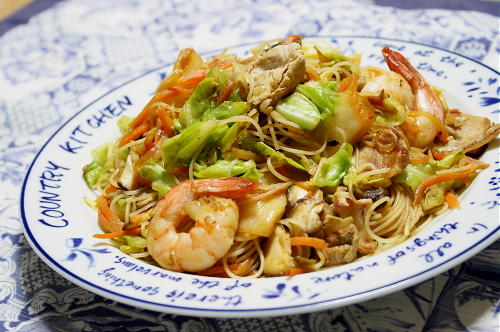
(102, 205)
(160, 96)
(135, 133)
(106, 217)
(148, 142)
(141, 117)
(236, 268)
(109, 188)
(309, 194)
(304, 185)
(452, 200)
(308, 241)
(177, 91)
(438, 155)
(214, 270)
(152, 154)
(139, 218)
(191, 80)
(293, 38)
(422, 159)
(452, 174)
(312, 74)
(221, 64)
(131, 231)
(226, 91)
(217, 270)
(166, 123)
(297, 270)
(466, 180)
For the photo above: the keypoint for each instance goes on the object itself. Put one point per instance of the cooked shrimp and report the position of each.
(208, 203)
(427, 120)
(387, 84)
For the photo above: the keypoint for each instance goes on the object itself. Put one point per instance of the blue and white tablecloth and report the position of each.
(70, 54)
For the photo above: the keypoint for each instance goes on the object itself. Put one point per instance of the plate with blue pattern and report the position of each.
(59, 225)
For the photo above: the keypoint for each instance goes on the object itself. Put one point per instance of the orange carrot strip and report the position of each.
(304, 185)
(312, 74)
(175, 91)
(166, 122)
(108, 220)
(102, 205)
(217, 270)
(308, 241)
(438, 155)
(152, 154)
(131, 231)
(221, 64)
(109, 188)
(141, 117)
(148, 142)
(460, 173)
(192, 80)
(236, 268)
(160, 96)
(452, 200)
(293, 38)
(297, 270)
(226, 91)
(309, 194)
(419, 160)
(134, 133)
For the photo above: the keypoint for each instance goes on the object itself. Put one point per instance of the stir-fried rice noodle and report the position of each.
(325, 170)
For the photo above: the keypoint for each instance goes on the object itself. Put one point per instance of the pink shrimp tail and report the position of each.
(399, 64)
(230, 187)
(426, 100)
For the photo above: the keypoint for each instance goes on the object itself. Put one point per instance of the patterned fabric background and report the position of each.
(75, 51)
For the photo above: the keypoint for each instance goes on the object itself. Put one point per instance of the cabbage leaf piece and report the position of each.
(93, 171)
(224, 168)
(180, 149)
(331, 171)
(300, 110)
(161, 180)
(323, 94)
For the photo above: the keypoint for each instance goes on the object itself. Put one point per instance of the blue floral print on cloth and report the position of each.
(75, 51)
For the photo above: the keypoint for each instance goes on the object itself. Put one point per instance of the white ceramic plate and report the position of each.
(59, 225)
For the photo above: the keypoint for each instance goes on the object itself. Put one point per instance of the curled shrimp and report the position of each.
(387, 84)
(208, 202)
(427, 119)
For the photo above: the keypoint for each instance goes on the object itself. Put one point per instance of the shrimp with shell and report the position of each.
(426, 122)
(209, 203)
